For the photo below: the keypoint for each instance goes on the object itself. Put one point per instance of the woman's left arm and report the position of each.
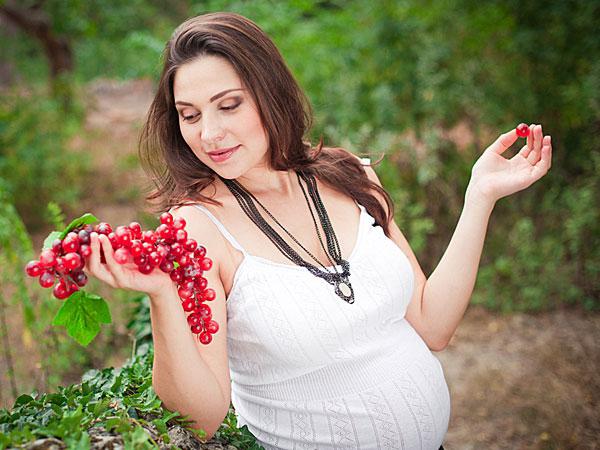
(439, 302)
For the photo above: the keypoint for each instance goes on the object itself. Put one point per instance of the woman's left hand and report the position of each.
(494, 176)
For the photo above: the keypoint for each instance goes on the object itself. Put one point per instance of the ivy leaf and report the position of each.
(161, 426)
(101, 406)
(82, 314)
(118, 425)
(22, 399)
(83, 443)
(70, 423)
(138, 438)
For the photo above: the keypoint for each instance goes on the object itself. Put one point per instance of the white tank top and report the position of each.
(310, 371)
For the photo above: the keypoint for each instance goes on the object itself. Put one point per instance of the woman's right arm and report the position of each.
(189, 377)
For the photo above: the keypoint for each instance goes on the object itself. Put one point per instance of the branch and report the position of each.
(36, 23)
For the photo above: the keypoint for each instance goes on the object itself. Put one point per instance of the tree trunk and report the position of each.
(36, 23)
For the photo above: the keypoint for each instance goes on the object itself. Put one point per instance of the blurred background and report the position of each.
(428, 84)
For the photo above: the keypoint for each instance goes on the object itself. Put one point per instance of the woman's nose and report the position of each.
(211, 130)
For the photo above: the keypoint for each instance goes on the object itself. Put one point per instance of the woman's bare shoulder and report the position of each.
(200, 226)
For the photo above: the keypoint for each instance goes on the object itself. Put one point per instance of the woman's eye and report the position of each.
(230, 108)
(223, 108)
(187, 118)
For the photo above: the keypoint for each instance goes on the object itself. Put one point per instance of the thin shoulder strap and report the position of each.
(222, 229)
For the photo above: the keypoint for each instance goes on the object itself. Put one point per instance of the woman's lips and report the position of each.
(220, 157)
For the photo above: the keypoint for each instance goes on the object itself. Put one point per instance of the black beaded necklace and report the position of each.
(341, 281)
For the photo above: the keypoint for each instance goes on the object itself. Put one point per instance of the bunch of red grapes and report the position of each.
(168, 248)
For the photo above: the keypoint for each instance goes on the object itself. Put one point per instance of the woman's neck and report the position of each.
(263, 182)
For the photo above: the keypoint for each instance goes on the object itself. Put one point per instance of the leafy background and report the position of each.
(428, 84)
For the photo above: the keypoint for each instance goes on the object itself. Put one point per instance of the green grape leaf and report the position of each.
(50, 239)
(83, 220)
(82, 313)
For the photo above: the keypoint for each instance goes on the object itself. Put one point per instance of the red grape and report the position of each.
(33, 268)
(46, 279)
(179, 223)
(121, 255)
(61, 290)
(523, 130)
(166, 218)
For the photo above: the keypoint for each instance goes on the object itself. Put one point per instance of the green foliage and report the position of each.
(395, 78)
(547, 259)
(240, 438)
(110, 38)
(119, 401)
(15, 242)
(115, 399)
(34, 156)
(55, 215)
(140, 321)
(85, 219)
(15, 249)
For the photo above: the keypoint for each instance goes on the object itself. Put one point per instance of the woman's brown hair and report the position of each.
(178, 175)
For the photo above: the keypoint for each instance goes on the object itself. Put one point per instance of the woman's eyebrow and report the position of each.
(222, 93)
(212, 99)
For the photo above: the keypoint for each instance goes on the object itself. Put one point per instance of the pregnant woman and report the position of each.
(327, 320)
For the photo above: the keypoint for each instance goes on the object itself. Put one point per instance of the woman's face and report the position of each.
(217, 114)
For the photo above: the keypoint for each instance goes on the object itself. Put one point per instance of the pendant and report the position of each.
(345, 291)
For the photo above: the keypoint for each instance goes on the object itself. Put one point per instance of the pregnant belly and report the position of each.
(397, 401)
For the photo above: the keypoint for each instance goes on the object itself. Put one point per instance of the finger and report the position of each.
(548, 143)
(93, 264)
(543, 165)
(504, 141)
(530, 138)
(535, 155)
(523, 152)
(109, 254)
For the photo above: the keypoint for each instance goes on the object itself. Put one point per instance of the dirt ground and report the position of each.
(524, 381)
(520, 381)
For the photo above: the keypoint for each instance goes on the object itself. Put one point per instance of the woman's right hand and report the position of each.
(124, 276)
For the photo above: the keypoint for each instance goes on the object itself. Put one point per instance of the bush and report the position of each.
(36, 163)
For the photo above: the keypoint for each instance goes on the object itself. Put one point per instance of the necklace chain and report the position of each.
(332, 243)
(246, 200)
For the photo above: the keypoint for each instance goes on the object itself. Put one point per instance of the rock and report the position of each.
(46, 444)
(102, 439)
(183, 439)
